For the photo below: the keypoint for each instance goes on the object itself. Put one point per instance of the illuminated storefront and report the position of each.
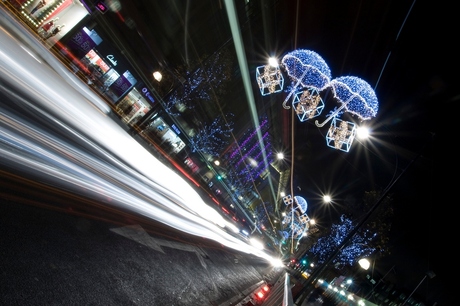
(133, 107)
(168, 134)
(64, 27)
(51, 20)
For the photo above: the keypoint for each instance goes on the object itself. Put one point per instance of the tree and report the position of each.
(380, 221)
(263, 212)
(212, 138)
(371, 238)
(359, 246)
(203, 84)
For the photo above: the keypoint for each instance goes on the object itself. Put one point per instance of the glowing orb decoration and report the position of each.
(341, 134)
(295, 222)
(307, 104)
(307, 68)
(356, 96)
(269, 79)
(294, 228)
(301, 204)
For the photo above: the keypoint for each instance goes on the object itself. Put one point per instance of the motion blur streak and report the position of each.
(41, 54)
(48, 130)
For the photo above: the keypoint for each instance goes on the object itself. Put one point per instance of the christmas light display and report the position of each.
(269, 79)
(356, 97)
(212, 138)
(307, 70)
(295, 221)
(245, 160)
(358, 246)
(307, 104)
(310, 75)
(341, 134)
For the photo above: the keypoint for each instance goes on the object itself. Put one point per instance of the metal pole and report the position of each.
(414, 290)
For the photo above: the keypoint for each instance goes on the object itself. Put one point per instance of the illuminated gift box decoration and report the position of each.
(269, 79)
(288, 200)
(341, 134)
(307, 104)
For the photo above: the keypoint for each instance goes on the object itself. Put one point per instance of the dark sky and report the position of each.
(398, 47)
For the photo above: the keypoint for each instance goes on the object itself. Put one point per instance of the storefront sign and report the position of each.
(120, 86)
(174, 127)
(147, 94)
(101, 7)
(81, 43)
(111, 58)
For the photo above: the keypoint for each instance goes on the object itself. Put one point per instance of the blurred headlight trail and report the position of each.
(48, 129)
(40, 53)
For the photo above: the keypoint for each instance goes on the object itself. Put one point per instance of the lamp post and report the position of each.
(429, 274)
(365, 264)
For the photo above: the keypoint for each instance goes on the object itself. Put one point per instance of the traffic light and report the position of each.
(304, 261)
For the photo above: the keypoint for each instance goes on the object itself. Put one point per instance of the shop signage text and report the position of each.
(174, 127)
(112, 59)
(147, 94)
(100, 5)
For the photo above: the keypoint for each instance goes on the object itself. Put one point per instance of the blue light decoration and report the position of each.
(306, 69)
(270, 79)
(360, 245)
(211, 138)
(295, 222)
(357, 98)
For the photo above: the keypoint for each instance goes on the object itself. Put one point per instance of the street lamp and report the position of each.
(158, 76)
(364, 263)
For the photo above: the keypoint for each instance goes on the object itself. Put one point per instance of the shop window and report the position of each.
(167, 135)
(132, 107)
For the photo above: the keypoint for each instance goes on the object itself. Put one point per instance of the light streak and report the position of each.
(48, 128)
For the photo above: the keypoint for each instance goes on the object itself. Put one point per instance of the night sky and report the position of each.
(397, 47)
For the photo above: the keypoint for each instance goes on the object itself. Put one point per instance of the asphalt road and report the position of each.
(53, 258)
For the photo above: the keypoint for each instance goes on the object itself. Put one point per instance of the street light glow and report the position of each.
(158, 76)
(364, 263)
(273, 62)
(362, 132)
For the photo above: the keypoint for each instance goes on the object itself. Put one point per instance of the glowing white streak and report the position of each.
(58, 98)
(123, 183)
(18, 32)
(186, 222)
